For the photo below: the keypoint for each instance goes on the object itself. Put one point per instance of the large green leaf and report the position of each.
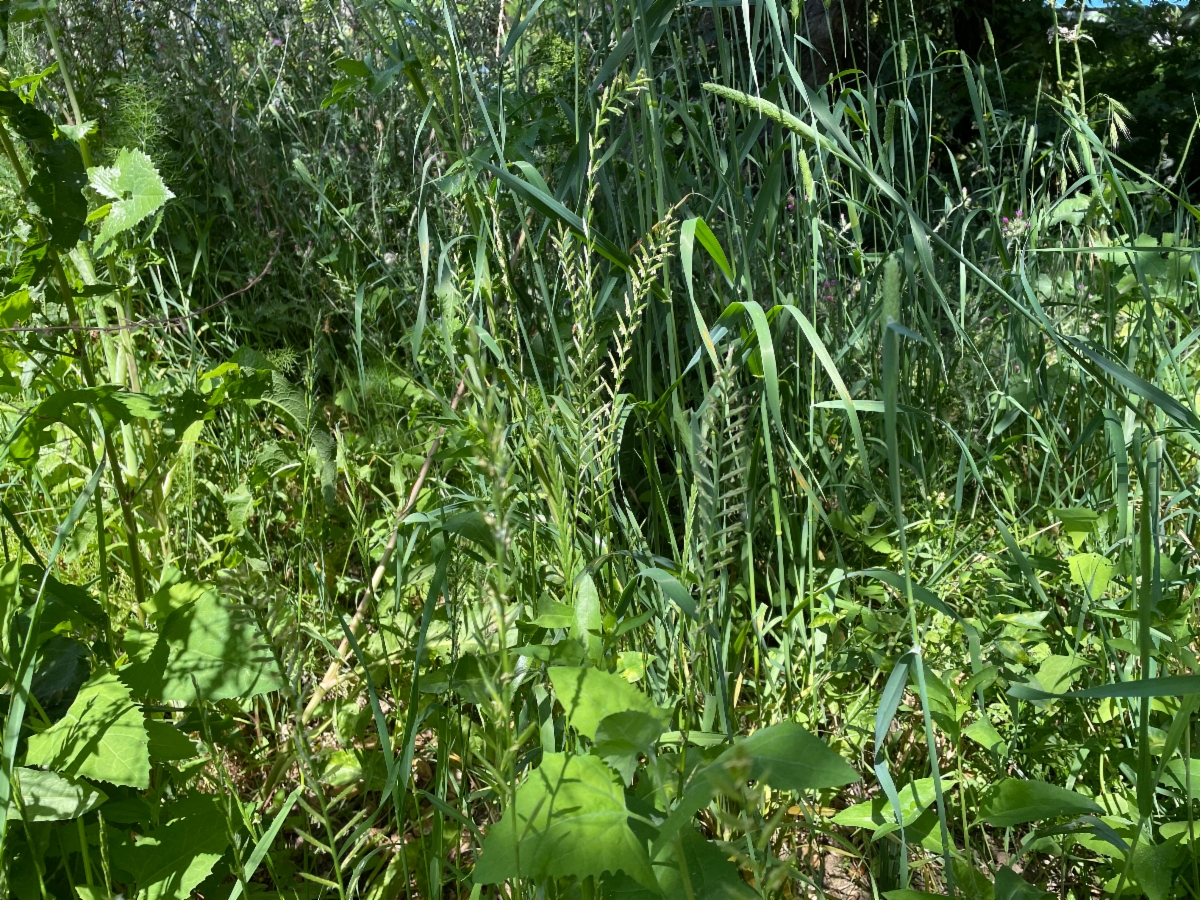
(133, 174)
(50, 797)
(590, 695)
(102, 736)
(789, 758)
(171, 860)
(1015, 801)
(208, 649)
(57, 189)
(568, 819)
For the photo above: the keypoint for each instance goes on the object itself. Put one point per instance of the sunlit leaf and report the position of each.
(590, 695)
(102, 736)
(568, 819)
(134, 186)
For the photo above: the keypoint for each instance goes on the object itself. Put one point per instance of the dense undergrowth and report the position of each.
(574, 453)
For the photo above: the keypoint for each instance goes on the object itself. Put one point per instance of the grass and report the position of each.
(626, 404)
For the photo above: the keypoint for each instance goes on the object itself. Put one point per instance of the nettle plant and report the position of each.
(114, 685)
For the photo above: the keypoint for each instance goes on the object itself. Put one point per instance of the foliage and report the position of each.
(564, 451)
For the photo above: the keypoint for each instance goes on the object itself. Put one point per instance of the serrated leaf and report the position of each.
(208, 649)
(102, 736)
(51, 797)
(568, 819)
(1015, 801)
(134, 186)
(172, 860)
(168, 743)
(788, 758)
(590, 695)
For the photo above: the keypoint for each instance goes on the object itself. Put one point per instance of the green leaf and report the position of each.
(134, 175)
(1057, 673)
(1015, 801)
(1152, 865)
(102, 736)
(29, 122)
(1011, 886)
(264, 843)
(789, 758)
(1168, 686)
(711, 873)
(984, 733)
(172, 860)
(57, 189)
(621, 737)
(50, 797)
(78, 132)
(14, 307)
(1092, 572)
(672, 589)
(1177, 775)
(208, 649)
(114, 406)
(167, 743)
(590, 695)
(568, 819)
(552, 614)
(1138, 385)
(915, 798)
(1078, 522)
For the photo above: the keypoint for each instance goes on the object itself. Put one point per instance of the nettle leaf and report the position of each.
(134, 175)
(568, 819)
(590, 695)
(1015, 801)
(172, 860)
(102, 736)
(168, 743)
(789, 758)
(208, 648)
(50, 797)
